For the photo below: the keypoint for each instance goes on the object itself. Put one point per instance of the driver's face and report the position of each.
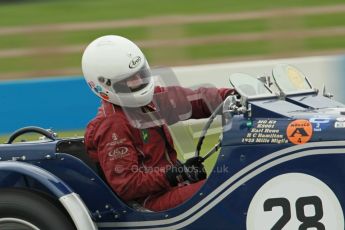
(134, 82)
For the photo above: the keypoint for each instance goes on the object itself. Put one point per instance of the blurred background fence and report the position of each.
(66, 103)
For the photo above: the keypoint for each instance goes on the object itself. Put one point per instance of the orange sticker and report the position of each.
(299, 131)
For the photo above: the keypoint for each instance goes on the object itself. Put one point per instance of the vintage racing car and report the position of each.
(282, 151)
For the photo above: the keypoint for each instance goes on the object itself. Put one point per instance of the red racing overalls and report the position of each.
(134, 159)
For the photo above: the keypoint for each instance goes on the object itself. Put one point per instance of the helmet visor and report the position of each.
(134, 82)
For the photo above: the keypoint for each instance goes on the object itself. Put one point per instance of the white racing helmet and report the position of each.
(117, 71)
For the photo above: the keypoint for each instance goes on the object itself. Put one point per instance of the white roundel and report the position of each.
(295, 201)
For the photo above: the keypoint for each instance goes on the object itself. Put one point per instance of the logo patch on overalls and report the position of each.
(145, 135)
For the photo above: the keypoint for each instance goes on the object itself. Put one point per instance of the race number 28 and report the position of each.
(295, 201)
(307, 221)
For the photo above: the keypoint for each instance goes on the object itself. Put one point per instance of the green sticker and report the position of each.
(145, 135)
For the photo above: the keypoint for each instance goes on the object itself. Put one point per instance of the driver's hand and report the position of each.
(195, 169)
(192, 170)
(230, 92)
(194, 161)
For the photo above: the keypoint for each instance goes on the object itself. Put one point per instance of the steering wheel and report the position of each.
(203, 134)
(31, 129)
(228, 107)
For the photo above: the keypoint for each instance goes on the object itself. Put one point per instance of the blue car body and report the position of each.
(256, 149)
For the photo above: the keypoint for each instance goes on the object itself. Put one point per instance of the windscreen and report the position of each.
(249, 86)
(290, 80)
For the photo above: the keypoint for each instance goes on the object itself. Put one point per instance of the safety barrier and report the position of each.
(66, 103)
(63, 103)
